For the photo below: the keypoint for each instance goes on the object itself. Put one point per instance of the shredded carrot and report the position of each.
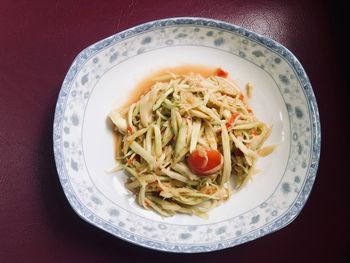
(221, 73)
(130, 131)
(241, 97)
(232, 119)
(254, 132)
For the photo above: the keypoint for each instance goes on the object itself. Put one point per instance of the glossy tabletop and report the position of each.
(39, 40)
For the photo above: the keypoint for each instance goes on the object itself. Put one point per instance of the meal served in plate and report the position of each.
(188, 142)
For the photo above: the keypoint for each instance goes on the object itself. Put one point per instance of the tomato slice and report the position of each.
(205, 162)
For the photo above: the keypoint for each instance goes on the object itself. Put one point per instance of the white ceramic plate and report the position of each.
(102, 76)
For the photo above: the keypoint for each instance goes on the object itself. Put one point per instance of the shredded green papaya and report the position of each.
(179, 116)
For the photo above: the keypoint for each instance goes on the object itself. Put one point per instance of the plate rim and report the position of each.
(315, 151)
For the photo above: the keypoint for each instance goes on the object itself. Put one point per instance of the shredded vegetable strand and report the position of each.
(180, 117)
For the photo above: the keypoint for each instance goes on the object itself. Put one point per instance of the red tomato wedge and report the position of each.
(205, 162)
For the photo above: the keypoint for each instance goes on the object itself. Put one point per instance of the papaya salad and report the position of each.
(187, 142)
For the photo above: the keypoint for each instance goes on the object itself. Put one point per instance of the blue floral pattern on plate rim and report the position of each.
(272, 226)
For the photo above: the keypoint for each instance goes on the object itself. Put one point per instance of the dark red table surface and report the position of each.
(39, 40)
